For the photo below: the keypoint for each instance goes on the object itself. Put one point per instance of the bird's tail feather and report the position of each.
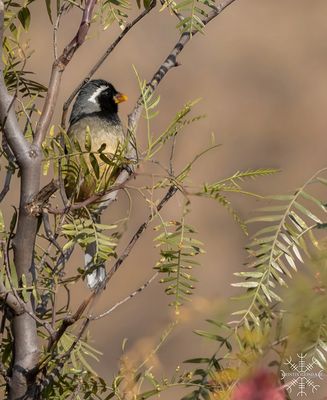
(97, 272)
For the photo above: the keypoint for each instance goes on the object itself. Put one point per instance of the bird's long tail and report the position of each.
(97, 271)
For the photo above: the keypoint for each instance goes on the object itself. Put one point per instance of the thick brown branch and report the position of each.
(102, 59)
(58, 68)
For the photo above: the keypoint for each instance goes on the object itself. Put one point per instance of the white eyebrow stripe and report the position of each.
(100, 89)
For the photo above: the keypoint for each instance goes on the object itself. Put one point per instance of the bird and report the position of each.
(95, 135)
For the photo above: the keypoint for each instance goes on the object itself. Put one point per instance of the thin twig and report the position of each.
(127, 298)
(163, 338)
(48, 231)
(41, 199)
(171, 158)
(55, 237)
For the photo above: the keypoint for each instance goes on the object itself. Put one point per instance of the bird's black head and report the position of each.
(96, 97)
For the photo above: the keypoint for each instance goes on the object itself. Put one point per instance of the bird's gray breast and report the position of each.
(82, 180)
(102, 131)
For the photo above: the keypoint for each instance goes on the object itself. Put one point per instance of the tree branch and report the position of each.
(171, 62)
(58, 68)
(102, 59)
(127, 298)
(170, 193)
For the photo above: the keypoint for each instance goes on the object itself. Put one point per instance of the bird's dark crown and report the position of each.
(96, 97)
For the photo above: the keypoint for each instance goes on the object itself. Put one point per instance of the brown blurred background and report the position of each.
(261, 71)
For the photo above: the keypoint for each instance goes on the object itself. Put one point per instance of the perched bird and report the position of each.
(96, 135)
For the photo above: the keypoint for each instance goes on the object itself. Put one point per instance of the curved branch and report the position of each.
(171, 62)
(58, 68)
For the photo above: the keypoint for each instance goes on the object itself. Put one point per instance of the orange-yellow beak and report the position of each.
(119, 98)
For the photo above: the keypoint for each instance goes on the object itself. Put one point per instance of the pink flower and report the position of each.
(261, 386)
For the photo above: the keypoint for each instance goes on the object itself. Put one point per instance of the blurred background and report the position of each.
(260, 69)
